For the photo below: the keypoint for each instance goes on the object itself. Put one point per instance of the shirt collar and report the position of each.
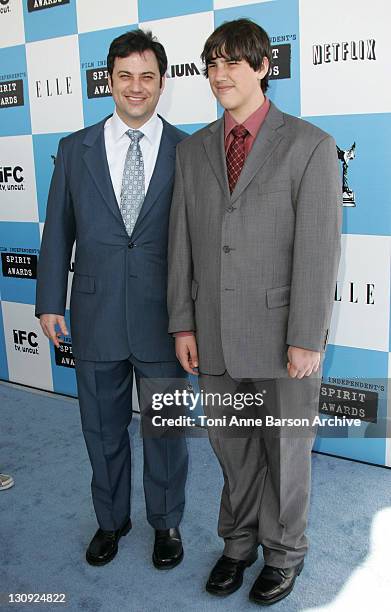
(253, 122)
(149, 129)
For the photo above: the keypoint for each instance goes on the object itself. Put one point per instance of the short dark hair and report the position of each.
(238, 40)
(136, 41)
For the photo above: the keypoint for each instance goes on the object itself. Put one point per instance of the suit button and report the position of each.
(230, 209)
(226, 249)
(131, 245)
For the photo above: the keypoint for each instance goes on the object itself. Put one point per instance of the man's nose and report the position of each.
(221, 72)
(135, 84)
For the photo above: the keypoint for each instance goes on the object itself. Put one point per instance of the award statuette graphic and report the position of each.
(346, 157)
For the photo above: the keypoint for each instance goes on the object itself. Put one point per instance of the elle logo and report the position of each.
(354, 294)
(54, 87)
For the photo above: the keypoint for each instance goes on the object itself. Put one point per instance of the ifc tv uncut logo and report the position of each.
(4, 7)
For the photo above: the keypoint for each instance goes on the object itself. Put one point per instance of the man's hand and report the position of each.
(48, 323)
(186, 352)
(302, 362)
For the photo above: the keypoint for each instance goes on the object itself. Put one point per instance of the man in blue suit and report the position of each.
(111, 193)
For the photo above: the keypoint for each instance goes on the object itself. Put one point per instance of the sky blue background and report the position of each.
(366, 366)
(51, 22)
(3, 361)
(155, 9)
(94, 47)
(15, 121)
(44, 145)
(368, 173)
(190, 128)
(23, 236)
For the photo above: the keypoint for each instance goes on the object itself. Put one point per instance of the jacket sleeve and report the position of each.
(317, 249)
(57, 242)
(179, 300)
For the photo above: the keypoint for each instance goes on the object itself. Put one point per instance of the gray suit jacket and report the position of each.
(255, 271)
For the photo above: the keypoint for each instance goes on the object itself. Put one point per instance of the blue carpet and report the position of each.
(47, 521)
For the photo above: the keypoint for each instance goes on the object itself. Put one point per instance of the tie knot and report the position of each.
(239, 131)
(135, 136)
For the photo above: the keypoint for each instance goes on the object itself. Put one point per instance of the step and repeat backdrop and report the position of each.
(330, 66)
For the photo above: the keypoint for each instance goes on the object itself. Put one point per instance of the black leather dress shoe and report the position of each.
(104, 545)
(227, 575)
(274, 583)
(168, 549)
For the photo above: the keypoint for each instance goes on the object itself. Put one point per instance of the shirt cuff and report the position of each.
(182, 334)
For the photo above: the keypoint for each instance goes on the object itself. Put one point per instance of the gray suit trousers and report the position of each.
(267, 470)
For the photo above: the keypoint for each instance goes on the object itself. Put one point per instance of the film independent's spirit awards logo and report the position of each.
(64, 355)
(281, 62)
(23, 265)
(97, 80)
(346, 156)
(39, 5)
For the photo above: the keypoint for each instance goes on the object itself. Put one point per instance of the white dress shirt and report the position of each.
(117, 143)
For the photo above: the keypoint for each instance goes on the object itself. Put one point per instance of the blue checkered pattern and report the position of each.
(53, 80)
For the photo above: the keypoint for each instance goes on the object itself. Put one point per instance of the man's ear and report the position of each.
(262, 72)
(162, 83)
(110, 82)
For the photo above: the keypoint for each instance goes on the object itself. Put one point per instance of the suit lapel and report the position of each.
(162, 174)
(96, 160)
(214, 147)
(265, 143)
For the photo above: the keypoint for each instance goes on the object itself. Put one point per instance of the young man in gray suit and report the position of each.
(111, 193)
(254, 246)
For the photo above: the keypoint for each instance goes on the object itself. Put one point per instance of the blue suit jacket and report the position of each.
(119, 291)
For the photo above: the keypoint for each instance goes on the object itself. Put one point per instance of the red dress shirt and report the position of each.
(253, 124)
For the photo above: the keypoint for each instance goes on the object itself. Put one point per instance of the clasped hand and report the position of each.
(301, 362)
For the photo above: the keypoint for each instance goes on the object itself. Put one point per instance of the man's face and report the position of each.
(236, 85)
(136, 88)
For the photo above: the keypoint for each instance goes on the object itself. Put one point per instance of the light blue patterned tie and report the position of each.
(133, 186)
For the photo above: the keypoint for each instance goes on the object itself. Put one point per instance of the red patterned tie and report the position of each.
(236, 155)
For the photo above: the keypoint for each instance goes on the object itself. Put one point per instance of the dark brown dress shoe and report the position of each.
(227, 575)
(274, 583)
(104, 545)
(168, 549)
